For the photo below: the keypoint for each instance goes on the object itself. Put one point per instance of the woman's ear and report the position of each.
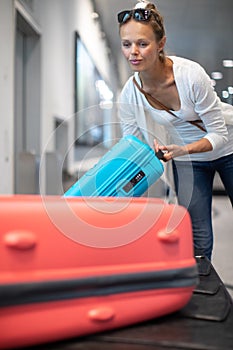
(162, 43)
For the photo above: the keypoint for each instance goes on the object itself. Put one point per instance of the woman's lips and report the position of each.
(135, 62)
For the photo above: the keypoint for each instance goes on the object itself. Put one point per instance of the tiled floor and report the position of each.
(223, 234)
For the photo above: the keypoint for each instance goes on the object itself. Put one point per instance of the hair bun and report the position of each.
(141, 5)
(145, 5)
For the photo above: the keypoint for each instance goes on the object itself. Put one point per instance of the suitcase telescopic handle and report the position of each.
(160, 155)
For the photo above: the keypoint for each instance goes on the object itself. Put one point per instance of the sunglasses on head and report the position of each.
(137, 14)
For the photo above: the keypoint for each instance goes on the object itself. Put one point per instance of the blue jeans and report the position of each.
(194, 186)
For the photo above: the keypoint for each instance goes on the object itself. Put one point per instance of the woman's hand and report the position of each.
(170, 151)
(173, 151)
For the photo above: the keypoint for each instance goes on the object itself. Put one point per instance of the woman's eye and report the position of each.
(143, 44)
(126, 44)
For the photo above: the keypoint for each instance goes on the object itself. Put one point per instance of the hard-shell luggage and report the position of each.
(75, 266)
(127, 170)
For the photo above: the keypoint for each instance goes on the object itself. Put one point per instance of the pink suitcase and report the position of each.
(74, 266)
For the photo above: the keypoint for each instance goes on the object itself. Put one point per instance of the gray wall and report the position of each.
(55, 22)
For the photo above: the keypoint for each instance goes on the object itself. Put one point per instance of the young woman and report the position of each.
(177, 93)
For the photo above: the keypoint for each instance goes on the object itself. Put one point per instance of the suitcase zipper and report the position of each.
(47, 291)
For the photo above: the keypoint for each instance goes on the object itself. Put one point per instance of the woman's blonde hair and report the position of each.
(156, 22)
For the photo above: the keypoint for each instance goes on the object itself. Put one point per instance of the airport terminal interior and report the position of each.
(61, 74)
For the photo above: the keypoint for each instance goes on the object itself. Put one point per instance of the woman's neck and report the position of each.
(161, 76)
(161, 85)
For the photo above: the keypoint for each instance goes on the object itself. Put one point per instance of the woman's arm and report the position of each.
(128, 111)
(173, 151)
(208, 106)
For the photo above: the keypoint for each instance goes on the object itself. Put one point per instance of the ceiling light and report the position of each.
(230, 90)
(216, 75)
(95, 15)
(225, 94)
(227, 63)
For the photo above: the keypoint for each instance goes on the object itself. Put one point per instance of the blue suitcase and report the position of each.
(127, 170)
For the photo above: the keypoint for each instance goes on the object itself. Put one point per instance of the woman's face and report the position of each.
(139, 45)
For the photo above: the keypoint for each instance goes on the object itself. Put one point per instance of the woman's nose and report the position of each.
(134, 49)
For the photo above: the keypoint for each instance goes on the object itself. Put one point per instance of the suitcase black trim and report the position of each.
(47, 291)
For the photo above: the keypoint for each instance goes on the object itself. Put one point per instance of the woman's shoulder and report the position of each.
(185, 63)
(183, 60)
(188, 71)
